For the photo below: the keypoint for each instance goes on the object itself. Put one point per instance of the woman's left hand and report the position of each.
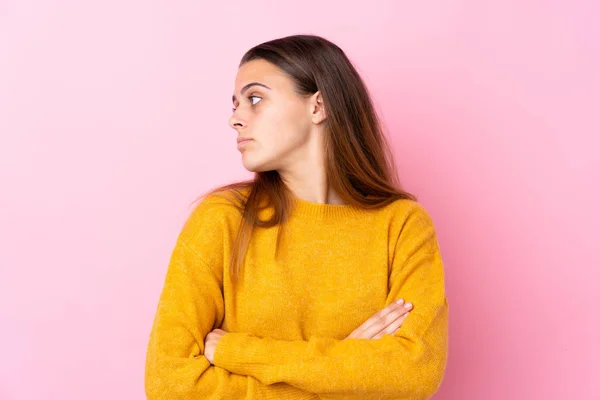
(210, 343)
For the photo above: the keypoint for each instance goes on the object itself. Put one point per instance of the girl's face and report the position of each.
(276, 119)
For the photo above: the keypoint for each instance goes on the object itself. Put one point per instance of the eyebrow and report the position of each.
(248, 86)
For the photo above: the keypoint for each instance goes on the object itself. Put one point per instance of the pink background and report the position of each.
(113, 118)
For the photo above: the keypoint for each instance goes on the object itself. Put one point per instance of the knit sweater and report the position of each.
(289, 315)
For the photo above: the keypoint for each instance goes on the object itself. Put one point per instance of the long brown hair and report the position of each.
(359, 164)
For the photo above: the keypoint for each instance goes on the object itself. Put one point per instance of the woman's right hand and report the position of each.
(386, 321)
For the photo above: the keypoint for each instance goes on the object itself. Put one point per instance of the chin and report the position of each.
(253, 166)
(257, 166)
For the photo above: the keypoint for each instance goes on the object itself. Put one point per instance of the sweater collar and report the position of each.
(324, 211)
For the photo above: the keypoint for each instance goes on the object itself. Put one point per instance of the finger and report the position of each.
(379, 321)
(376, 320)
(393, 327)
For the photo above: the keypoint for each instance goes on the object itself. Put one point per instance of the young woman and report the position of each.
(318, 279)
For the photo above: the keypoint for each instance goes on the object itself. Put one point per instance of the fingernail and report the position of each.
(407, 305)
(399, 301)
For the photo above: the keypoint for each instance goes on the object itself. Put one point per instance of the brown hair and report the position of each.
(359, 164)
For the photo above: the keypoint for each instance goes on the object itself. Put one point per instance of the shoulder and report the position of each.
(222, 200)
(214, 212)
(409, 211)
(410, 219)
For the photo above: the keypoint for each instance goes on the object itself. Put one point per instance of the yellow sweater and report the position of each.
(288, 318)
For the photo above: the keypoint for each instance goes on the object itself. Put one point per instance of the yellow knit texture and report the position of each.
(288, 316)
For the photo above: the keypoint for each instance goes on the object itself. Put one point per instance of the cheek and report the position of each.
(288, 135)
(288, 125)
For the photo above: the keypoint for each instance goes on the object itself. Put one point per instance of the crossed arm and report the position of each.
(408, 364)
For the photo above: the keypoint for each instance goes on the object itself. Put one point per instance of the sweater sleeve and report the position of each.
(408, 364)
(190, 306)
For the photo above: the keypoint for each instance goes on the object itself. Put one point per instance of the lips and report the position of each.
(242, 143)
(243, 140)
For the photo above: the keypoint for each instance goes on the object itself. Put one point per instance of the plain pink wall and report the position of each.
(113, 118)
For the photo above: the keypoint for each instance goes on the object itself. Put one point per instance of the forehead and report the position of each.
(260, 71)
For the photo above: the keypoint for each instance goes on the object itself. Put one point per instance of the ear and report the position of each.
(317, 108)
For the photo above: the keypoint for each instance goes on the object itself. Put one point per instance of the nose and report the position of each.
(236, 123)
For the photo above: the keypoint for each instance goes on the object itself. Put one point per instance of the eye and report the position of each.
(249, 97)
